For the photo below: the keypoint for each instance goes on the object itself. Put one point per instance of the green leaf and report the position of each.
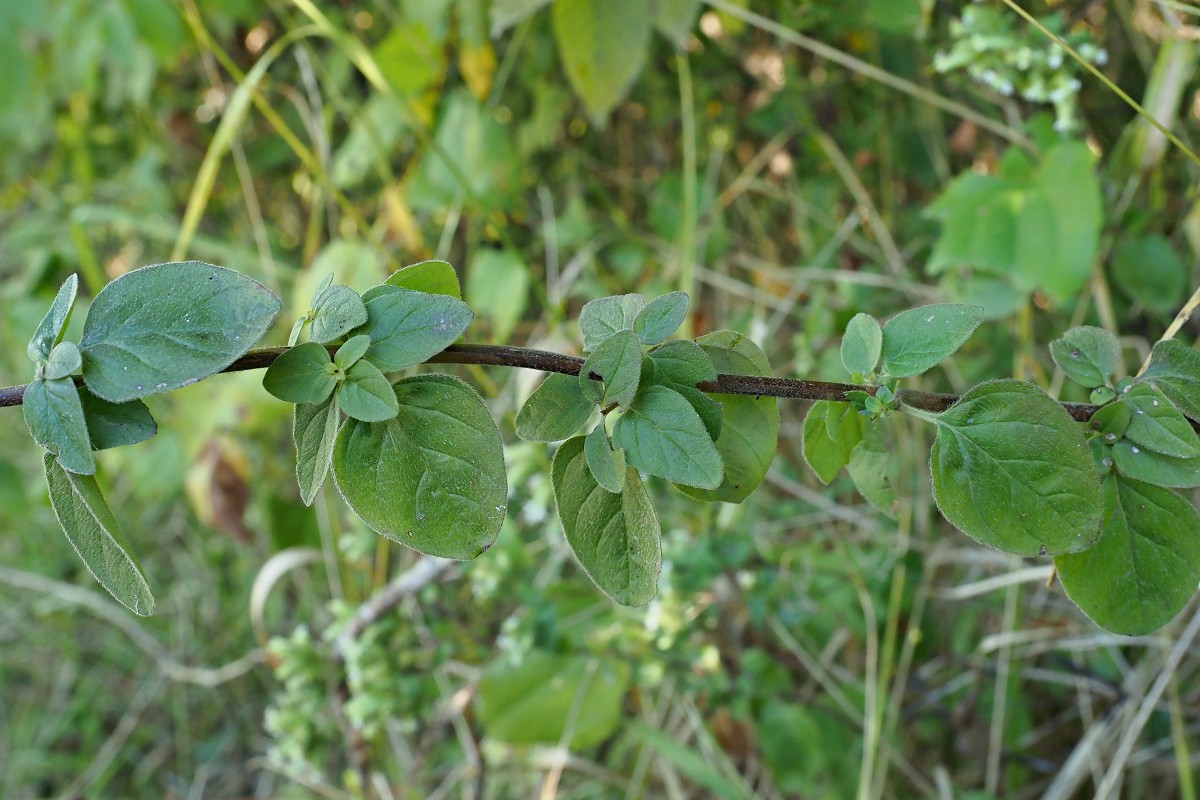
(1155, 468)
(506, 13)
(349, 353)
(432, 477)
(675, 19)
(831, 432)
(1112, 420)
(603, 47)
(49, 332)
(661, 317)
(1145, 567)
(862, 345)
(547, 697)
(617, 364)
(336, 311)
(64, 359)
(750, 429)
(498, 286)
(302, 374)
(93, 531)
(663, 435)
(408, 328)
(1149, 271)
(297, 327)
(872, 469)
(166, 326)
(616, 537)
(1013, 471)
(366, 394)
(600, 319)
(431, 277)
(314, 430)
(607, 465)
(1175, 370)
(1157, 425)
(54, 415)
(921, 338)
(116, 424)
(1088, 355)
(554, 411)
(711, 413)
(683, 362)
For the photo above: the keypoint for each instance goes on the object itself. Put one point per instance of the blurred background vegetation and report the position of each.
(789, 164)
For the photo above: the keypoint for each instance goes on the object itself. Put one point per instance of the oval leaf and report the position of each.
(1145, 567)
(349, 353)
(366, 394)
(603, 47)
(921, 338)
(93, 531)
(1157, 425)
(336, 311)
(1175, 370)
(314, 430)
(862, 345)
(302, 374)
(554, 411)
(64, 359)
(612, 372)
(1013, 471)
(600, 319)
(431, 277)
(408, 328)
(831, 433)
(684, 362)
(1087, 354)
(49, 331)
(116, 424)
(432, 477)
(663, 435)
(54, 415)
(1155, 468)
(616, 537)
(165, 326)
(661, 317)
(607, 465)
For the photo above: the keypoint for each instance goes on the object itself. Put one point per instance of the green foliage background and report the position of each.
(803, 643)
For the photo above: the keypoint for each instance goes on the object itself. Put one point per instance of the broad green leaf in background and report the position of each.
(375, 129)
(165, 326)
(661, 317)
(675, 19)
(116, 424)
(336, 310)
(1088, 355)
(64, 359)
(1157, 425)
(554, 411)
(1154, 468)
(616, 537)
(54, 415)
(1148, 270)
(431, 277)
(547, 696)
(663, 435)
(351, 351)
(49, 331)
(750, 430)
(606, 464)
(497, 288)
(684, 363)
(1175, 369)
(506, 13)
(432, 478)
(612, 372)
(301, 374)
(603, 47)
(600, 319)
(407, 328)
(921, 338)
(872, 468)
(314, 430)
(366, 395)
(862, 344)
(1013, 471)
(93, 531)
(831, 432)
(1145, 567)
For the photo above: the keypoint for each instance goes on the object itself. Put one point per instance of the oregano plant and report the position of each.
(419, 458)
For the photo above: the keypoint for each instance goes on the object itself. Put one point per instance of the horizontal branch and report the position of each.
(494, 355)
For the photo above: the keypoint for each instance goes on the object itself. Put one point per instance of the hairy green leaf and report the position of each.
(1145, 567)
(1150, 271)
(612, 372)
(862, 345)
(554, 411)
(49, 332)
(54, 415)
(1155, 468)
(1013, 471)
(684, 362)
(116, 424)
(1175, 370)
(336, 311)
(93, 531)
(921, 338)
(349, 353)
(432, 477)
(600, 319)
(607, 465)
(314, 430)
(661, 317)
(603, 47)
(831, 432)
(64, 359)
(616, 537)
(872, 468)
(366, 395)
(301, 374)
(165, 326)
(1088, 355)
(431, 277)
(1157, 425)
(408, 328)
(663, 435)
